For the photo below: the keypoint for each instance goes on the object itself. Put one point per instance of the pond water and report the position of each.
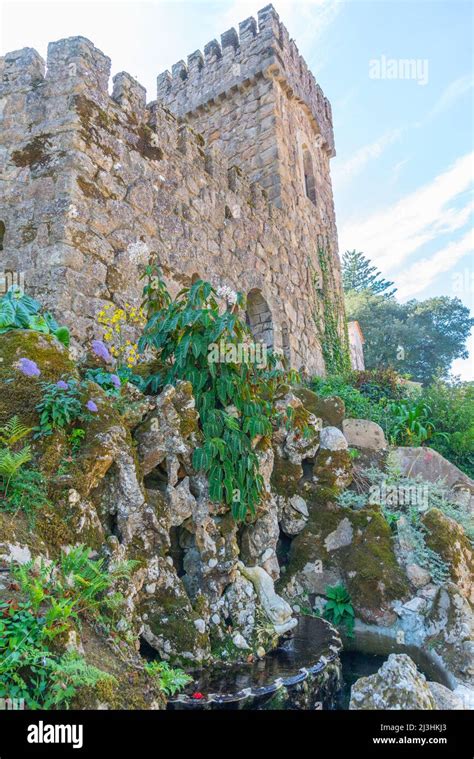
(356, 664)
(308, 670)
(309, 656)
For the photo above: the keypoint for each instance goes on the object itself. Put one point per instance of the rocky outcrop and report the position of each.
(352, 547)
(430, 466)
(330, 409)
(396, 686)
(448, 539)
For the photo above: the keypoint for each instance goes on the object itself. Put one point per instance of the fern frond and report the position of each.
(13, 431)
(11, 462)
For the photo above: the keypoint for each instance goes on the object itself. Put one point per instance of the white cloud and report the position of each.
(451, 94)
(420, 275)
(389, 236)
(345, 171)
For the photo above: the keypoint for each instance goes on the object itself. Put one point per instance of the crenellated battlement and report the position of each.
(256, 50)
(96, 182)
(82, 71)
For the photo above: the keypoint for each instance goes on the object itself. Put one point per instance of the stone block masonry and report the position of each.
(224, 177)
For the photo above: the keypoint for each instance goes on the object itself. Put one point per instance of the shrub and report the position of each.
(452, 407)
(235, 398)
(412, 423)
(20, 311)
(57, 596)
(20, 487)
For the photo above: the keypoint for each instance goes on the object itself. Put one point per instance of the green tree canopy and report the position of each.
(359, 274)
(419, 338)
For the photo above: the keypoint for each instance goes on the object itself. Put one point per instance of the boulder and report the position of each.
(166, 615)
(355, 548)
(396, 686)
(332, 439)
(333, 469)
(169, 432)
(331, 409)
(418, 576)
(430, 466)
(361, 433)
(293, 514)
(259, 540)
(445, 698)
(448, 539)
(449, 630)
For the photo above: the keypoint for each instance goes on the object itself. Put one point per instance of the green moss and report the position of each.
(20, 394)
(448, 539)
(333, 468)
(368, 564)
(285, 476)
(331, 410)
(172, 617)
(378, 578)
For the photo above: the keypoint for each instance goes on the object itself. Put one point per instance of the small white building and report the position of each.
(356, 345)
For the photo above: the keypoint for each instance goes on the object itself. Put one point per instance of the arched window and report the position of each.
(259, 318)
(309, 180)
(285, 341)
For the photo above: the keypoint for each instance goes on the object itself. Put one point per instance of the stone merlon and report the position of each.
(224, 68)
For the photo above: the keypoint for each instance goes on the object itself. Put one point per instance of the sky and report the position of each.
(404, 169)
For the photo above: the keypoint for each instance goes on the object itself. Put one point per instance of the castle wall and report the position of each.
(94, 185)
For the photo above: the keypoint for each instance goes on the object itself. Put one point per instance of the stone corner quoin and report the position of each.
(224, 177)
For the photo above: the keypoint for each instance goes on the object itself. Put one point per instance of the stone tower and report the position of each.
(224, 177)
(254, 97)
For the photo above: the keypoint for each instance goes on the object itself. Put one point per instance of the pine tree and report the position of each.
(358, 274)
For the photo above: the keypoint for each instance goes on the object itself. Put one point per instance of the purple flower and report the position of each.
(28, 367)
(101, 350)
(62, 385)
(115, 380)
(92, 406)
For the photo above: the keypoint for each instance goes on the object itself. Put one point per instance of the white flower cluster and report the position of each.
(227, 294)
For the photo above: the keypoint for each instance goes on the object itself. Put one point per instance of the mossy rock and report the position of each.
(333, 469)
(20, 394)
(128, 685)
(331, 409)
(367, 564)
(170, 617)
(448, 539)
(285, 476)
